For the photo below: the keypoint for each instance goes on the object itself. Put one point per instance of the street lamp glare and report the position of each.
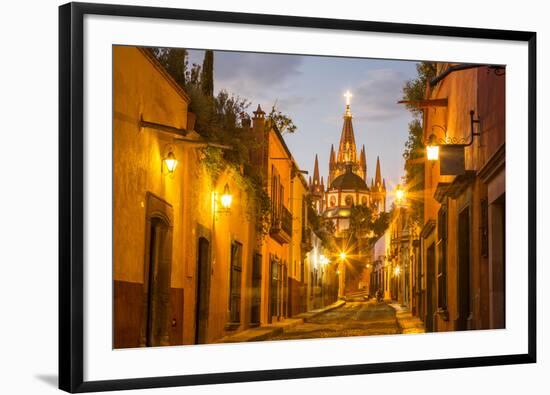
(226, 198)
(399, 194)
(432, 152)
(171, 162)
(343, 255)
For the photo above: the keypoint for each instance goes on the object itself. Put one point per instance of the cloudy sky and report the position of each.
(310, 90)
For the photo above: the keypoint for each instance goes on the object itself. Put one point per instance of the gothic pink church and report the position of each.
(347, 180)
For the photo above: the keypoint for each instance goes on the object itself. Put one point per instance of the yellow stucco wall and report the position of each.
(269, 245)
(229, 227)
(143, 91)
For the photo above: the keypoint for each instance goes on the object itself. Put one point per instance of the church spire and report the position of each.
(378, 176)
(347, 152)
(316, 171)
(362, 158)
(363, 163)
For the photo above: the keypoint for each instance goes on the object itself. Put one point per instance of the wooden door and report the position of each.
(202, 290)
(157, 285)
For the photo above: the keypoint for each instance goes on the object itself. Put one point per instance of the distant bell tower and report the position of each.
(317, 188)
(378, 189)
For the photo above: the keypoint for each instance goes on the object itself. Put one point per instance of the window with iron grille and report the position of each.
(235, 283)
(442, 258)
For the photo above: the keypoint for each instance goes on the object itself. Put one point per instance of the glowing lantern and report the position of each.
(226, 198)
(170, 162)
(432, 152)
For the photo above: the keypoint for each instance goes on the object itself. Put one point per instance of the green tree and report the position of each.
(380, 224)
(282, 122)
(174, 61)
(207, 74)
(415, 90)
(361, 220)
(414, 170)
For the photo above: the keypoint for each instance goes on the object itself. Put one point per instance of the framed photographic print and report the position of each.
(250, 197)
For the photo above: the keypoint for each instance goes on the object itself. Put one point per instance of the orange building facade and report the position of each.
(189, 264)
(291, 271)
(183, 264)
(460, 271)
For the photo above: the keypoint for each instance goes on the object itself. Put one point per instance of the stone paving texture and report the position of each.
(268, 332)
(356, 318)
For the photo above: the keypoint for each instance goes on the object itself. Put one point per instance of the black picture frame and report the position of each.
(71, 195)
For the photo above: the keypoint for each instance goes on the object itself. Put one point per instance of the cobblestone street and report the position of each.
(355, 318)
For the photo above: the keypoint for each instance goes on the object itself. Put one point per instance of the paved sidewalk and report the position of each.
(268, 331)
(406, 321)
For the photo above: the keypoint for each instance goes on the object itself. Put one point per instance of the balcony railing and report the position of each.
(281, 226)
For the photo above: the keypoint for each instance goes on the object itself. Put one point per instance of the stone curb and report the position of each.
(277, 328)
(314, 313)
(396, 319)
(414, 325)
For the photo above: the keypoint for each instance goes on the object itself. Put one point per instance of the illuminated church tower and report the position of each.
(347, 179)
(347, 150)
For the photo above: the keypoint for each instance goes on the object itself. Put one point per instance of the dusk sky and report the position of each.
(310, 89)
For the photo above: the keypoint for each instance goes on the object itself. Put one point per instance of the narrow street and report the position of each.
(356, 318)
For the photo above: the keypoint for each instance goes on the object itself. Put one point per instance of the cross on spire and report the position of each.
(348, 97)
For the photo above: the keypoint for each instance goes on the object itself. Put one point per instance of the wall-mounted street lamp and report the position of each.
(169, 160)
(434, 143)
(343, 256)
(221, 203)
(432, 149)
(396, 271)
(226, 198)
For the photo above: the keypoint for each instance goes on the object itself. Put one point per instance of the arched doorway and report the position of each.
(155, 329)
